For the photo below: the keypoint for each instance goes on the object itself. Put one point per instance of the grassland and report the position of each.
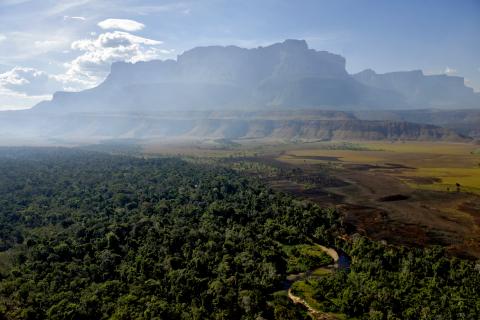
(402, 192)
(429, 166)
(414, 193)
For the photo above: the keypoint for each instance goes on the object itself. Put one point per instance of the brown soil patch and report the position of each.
(472, 208)
(321, 158)
(421, 180)
(394, 197)
(382, 206)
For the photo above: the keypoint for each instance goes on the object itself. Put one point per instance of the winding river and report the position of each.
(341, 261)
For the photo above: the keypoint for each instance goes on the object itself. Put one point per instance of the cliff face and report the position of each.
(322, 130)
(232, 92)
(423, 91)
(214, 125)
(466, 122)
(232, 65)
(287, 74)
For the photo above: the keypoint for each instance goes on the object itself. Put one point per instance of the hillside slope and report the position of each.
(329, 126)
(466, 122)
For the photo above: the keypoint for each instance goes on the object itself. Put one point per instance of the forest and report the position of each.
(90, 235)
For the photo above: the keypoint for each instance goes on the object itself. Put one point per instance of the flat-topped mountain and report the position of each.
(287, 75)
(279, 91)
(423, 91)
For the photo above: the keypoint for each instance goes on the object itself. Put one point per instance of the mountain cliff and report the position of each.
(466, 122)
(278, 91)
(423, 91)
(287, 74)
(305, 124)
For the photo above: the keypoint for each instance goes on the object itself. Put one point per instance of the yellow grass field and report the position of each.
(434, 165)
(446, 163)
(371, 182)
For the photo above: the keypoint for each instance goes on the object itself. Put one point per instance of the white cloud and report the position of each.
(2, 37)
(10, 100)
(29, 81)
(22, 88)
(78, 18)
(99, 53)
(121, 24)
(112, 40)
(450, 71)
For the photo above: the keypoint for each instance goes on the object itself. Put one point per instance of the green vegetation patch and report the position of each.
(226, 143)
(87, 235)
(306, 290)
(321, 272)
(347, 146)
(305, 257)
(387, 282)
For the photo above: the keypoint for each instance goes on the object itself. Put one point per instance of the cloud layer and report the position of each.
(121, 24)
(450, 71)
(99, 53)
(77, 18)
(89, 65)
(29, 81)
(24, 87)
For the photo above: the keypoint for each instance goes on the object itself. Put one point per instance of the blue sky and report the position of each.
(51, 45)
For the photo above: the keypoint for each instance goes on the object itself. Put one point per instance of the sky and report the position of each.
(53, 45)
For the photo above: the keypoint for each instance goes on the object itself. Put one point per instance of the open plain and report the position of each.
(402, 192)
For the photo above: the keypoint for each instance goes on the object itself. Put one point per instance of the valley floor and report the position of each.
(129, 234)
(413, 193)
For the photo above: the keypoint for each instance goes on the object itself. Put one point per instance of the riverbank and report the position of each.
(341, 261)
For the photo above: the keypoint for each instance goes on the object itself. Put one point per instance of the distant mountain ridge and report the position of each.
(282, 91)
(423, 91)
(303, 125)
(286, 75)
(465, 122)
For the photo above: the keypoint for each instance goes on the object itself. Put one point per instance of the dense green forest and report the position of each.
(400, 283)
(87, 235)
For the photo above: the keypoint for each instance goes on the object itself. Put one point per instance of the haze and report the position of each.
(48, 46)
